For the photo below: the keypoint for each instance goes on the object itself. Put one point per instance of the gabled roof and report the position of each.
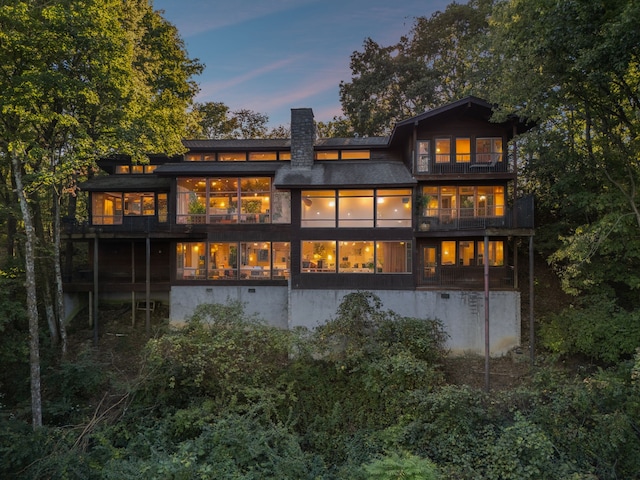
(470, 106)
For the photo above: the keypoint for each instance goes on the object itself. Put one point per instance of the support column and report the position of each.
(532, 336)
(148, 288)
(95, 291)
(487, 343)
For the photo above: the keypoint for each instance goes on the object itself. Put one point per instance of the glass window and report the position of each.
(209, 157)
(443, 150)
(489, 150)
(137, 168)
(284, 155)
(255, 196)
(191, 261)
(163, 209)
(262, 156)
(255, 261)
(467, 201)
(223, 200)
(318, 257)
(191, 200)
(393, 208)
(355, 208)
(423, 153)
(466, 256)
(430, 202)
(356, 257)
(106, 208)
(496, 253)
(139, 204)
(120, 169)
(318, 208)
(328, 155)
(393, 257)
(223, 261)
(232, 157)
(193, 157)
(150, 168)
(280, 260)
(463, 150)
(355, 154)
(448, 252)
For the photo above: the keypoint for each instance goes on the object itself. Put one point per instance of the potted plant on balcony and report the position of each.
(422, 202)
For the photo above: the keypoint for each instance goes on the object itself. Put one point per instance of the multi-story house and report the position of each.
(427, 218)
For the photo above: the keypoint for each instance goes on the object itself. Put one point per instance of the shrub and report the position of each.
(400, 467)
(598, 328)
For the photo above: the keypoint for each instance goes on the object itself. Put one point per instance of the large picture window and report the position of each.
(450, 203)
(467, 253)
(228, 200)
(385, 208)
(364, 256)
(233, 260)
(109, 208)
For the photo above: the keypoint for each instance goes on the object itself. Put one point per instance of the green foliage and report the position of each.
(597, 328)
(221, 353)
(397, 467)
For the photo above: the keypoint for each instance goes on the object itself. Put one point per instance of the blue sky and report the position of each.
(270, 56)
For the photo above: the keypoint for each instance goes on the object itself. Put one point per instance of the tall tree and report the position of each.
(82, 79)
(440, 60)
(574, 67)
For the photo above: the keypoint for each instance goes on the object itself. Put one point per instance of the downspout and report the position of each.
(487, 345)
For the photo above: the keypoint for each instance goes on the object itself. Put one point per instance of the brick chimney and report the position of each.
(303, 137)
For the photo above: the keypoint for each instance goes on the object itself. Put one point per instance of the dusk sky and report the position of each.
(270, 56)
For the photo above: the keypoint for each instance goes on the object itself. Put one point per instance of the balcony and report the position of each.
(447, 219)
(467, 164)
(467, 277)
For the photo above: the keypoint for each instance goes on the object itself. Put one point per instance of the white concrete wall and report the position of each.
(461, 312)
(269, 303)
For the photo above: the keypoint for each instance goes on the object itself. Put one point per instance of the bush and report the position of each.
(598, 328)
(400, 467)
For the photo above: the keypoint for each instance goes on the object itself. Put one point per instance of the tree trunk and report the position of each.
(58, 270)
(30, 286)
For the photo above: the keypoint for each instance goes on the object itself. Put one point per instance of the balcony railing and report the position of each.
(468, 277)
(478, 163)
(443, 219)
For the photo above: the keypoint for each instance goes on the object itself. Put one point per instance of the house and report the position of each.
(428, 218)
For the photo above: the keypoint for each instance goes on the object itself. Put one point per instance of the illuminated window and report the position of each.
(463, 150)
(443, 150)
(137, 169)
(393, 208)
(355, 154)
(193, 157)
(466, 254)
(318, 257)
(365, 256)
(191, 261)
(328, 155)
(284, 155)
(150, 168)
(209, 157)
(318, 209)
(191, 200)
(163, 208)
(355, 208)
(223, 261)
(139, 204)
(255, 195)
(232, 157)
(262, 156)
(106, 208)
(496, 253)
(120, 169)
(448, 252)
(489, 150)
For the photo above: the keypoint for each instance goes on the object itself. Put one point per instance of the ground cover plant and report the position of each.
(364, 396)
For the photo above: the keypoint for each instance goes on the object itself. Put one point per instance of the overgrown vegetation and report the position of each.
(363, 397)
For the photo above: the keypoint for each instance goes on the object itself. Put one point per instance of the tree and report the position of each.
(574, 68)
(83, 79)
(214, 120)
(441, 60)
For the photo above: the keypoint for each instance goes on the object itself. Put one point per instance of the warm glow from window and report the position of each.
(232, 157)
(463, 150)
(262, 156)
(328, 155)
(355, 154)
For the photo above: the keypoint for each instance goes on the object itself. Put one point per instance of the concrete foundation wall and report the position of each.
(269, 303)
(461, 312)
